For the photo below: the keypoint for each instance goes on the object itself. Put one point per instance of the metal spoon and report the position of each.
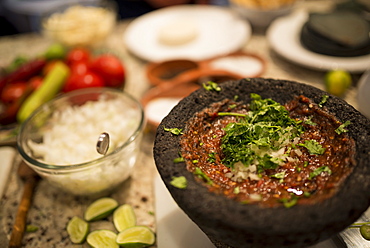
(102, 145)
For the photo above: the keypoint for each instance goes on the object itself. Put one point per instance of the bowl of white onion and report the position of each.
(60, 140)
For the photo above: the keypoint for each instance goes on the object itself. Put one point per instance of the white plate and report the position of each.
(284, 37)
(220, 31)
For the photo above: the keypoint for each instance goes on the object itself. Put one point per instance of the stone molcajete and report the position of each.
(229, 223)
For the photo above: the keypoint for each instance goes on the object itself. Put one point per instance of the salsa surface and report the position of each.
(303, 177)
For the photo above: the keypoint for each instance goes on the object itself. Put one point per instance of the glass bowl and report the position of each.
(59, 140)
(86, 23)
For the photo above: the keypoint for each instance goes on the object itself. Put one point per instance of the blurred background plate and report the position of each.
(219, 31)
(284, 38)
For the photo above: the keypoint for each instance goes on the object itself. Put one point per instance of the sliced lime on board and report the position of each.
(102, 239)
(77, 230)
(100, 209)
(136, 237)
(124, 217)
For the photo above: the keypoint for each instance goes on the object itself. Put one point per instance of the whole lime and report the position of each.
(337, 82)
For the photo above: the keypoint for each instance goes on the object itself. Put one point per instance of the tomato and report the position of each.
(78, 55)
(110, 68)
(13, 91)
(79, 81)
(80, 67)
(35, 82)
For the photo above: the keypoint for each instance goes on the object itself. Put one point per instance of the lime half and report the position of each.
(100, 209)
(136, 237)
(77, 230)
(102, 239)
(124, 217)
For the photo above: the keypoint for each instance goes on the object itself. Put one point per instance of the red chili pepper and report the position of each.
(9, 115)
(24, 72)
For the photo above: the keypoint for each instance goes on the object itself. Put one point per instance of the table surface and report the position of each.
(52, 209)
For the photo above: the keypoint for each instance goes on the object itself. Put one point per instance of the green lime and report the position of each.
(55, 51)
(365, 231)
(102, 239)
(100, 209)
(124, 217)
(136, 237)
(77, 230)
(337, 82)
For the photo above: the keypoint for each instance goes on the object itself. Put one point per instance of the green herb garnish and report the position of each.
(279, 175)
(310, 122)
(179, 160)
(324, 98)
(211, 86)
(175, 131)
(288, 203)
(236, 190)
(211, 157)
(313, 147)
(341, 128)
(267, 127)
(179, 182)
(318, 171)
(198, 172)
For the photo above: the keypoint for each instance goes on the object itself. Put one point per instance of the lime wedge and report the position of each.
(100, 209)
(77, 230)
(136, 237)
(102, 239)
(124, 217)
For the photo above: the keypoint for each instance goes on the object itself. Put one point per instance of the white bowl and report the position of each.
(261, 17)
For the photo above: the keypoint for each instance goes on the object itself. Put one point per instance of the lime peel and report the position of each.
(100, 209)
(136, 237)
(102, 238)
(77, 230)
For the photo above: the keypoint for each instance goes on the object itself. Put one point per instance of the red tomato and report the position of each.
(13, 91)
(35, 82)
(77, 81)
(78, 55)
(110, 68)
(79, 68)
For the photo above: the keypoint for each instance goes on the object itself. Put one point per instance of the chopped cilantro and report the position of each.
(313, 147)
(267, 126)
(318, 171)
(310, 122)
(179, 160)
(232, 106)
(175, 131)
(211, 157)
(198, 172)
(341, 128)
(279, 175)
(211, 86)
(288, 203)
(179, 182)
(324, 98)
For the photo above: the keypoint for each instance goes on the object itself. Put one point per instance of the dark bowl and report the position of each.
(229, 223)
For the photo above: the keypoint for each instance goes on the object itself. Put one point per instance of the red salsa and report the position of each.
(306, 163)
